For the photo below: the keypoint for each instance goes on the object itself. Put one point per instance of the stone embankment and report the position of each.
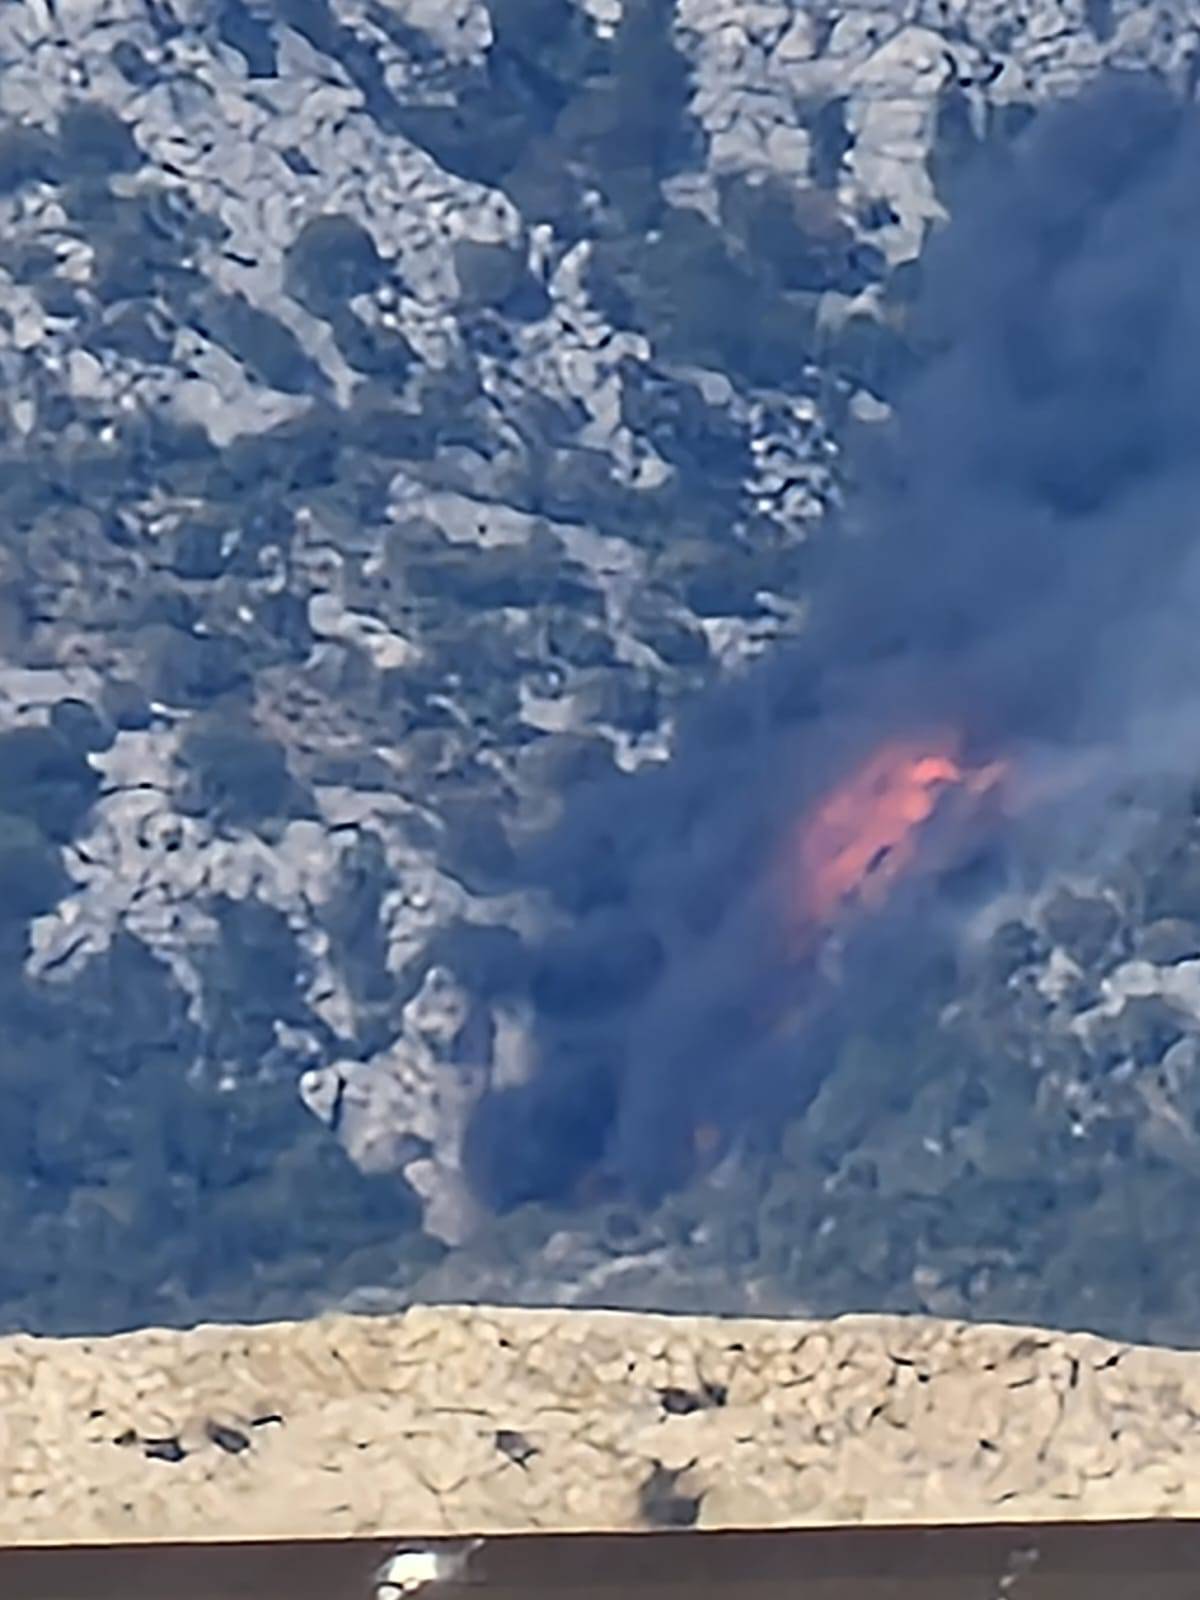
(456, 1420)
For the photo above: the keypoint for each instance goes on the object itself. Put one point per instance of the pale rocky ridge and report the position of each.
(514, 537)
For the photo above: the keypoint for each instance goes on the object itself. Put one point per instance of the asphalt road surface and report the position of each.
(1110, 1561)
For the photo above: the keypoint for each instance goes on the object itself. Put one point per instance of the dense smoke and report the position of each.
(1019, 562)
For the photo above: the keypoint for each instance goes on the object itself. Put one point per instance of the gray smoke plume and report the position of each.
(1021, 561)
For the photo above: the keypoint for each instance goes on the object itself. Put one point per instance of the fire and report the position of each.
(866, 832)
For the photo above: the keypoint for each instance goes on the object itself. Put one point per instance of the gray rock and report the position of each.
(1084, 926)
(1167, 941)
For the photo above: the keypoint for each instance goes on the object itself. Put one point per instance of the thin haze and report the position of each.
(1021, 560)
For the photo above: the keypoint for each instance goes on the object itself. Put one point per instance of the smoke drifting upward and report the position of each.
(1019, 576)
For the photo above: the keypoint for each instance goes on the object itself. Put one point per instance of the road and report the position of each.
(1109, 1561)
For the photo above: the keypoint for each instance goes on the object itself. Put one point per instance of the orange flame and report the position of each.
(865, 833)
